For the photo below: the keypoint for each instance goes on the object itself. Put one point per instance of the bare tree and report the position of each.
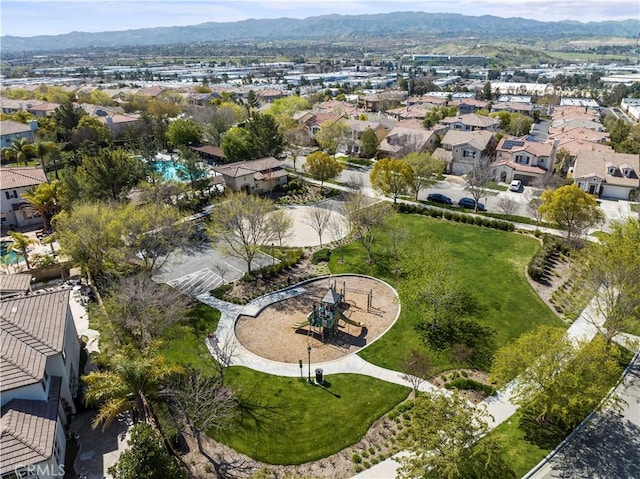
(204, 402)
(534, 208)
(338, 228)
(296, 139)
(222, 268)
(478, 178)
(508, 205)
(281, 224)
(143, 308)
(318, 219)
(417, 367)
(366, 220)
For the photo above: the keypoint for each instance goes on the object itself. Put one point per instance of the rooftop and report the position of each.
(21, 177)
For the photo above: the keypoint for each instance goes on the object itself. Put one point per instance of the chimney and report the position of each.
(33, 125)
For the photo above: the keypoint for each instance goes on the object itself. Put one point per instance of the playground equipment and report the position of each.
(323, 319)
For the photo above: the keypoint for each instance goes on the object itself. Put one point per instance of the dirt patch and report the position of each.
(474, 396)
(272, 335)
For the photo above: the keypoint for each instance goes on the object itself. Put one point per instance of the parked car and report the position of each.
(438, 198)
(515, 185)
(470, 203)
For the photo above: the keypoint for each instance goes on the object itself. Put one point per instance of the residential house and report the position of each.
(118, 124)
(311, 120)
(257, 176)
(632, 107)
(469, 105)
(401, 141)
(513, 107)
(520, 159)
(471, 122)
(384, 100)
(352, 143)
(579, 133)
(461, 150)
(14, 285)
(14, 210)
(607, 174)
(12, 130)
(268, 95)
(35, 107)
(40, 355)
(410, 112)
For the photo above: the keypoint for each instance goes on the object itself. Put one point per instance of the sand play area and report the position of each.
(272, 334)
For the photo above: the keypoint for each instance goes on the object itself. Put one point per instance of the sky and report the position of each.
(52, 17)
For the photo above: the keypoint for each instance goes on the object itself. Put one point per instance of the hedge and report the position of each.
(456, 216)
(470, 384)
(550, 245)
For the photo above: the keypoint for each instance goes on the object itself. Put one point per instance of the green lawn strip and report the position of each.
(521, 456)
(487, 262)
(183, 343)
(287, 421)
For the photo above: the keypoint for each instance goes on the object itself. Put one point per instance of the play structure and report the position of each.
(324, 319)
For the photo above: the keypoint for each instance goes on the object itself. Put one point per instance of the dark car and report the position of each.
(470, 203)
(438, 198)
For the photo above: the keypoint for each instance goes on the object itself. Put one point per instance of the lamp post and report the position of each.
(309, 354)
(273, 259)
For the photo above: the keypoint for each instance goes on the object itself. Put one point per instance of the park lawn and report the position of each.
(287, 421)
(521, 456)
(183, 343)
(489, 263)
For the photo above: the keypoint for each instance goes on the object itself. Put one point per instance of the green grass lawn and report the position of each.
(287, 421)
(489, 263)
(521, 456)
(183, 343)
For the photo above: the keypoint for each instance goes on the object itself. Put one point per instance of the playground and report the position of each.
(336, 316)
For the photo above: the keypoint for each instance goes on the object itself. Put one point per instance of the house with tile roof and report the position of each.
(257, 176)
(607, 174)
(461, 150)
(352, 143)
(401, 141)
(14, 210)
(471, 122)
(39, 359)
(524, 160)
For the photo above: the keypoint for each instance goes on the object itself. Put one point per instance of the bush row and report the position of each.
(167, 423)
(470, 384)
(459, 217)
(550, 245)
(321, 255)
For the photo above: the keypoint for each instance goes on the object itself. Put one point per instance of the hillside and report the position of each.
(405, 24)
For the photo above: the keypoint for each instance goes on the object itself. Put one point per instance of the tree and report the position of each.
(128, 383)
(183, 132)
(281, 224)
(295, 140)
(242, 223)
(20, 244)
(43, 149)
(365, 220)
(236, 145)
(145, 458)
(391, 177)
(204, 401)
(219, 123)
(609, 272)
(509, 206)
(20, 150)
(559, 379)
(417, 367)
(368, 143)
(339, 229)
(43, 200)
(265, 136)
(478, 178)
(90, 135)
(571, 208)
(533, 207)
(447, 438)
(331, 135)
(152, 231)
(423, 166)
(318, 219)
(67, 117)
(109, 173)
(92, 236)
(141, 309)
(322, 167)
(193, 169)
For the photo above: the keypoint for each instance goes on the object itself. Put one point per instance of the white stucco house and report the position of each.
(607, 174)
(14, 210)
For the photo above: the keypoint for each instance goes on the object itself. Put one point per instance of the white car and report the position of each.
(515, 185)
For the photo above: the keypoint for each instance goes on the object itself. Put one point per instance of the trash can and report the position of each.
(319, 376)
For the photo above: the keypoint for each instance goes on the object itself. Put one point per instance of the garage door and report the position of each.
(616, 192)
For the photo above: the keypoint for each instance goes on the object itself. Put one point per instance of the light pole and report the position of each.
(273, 259)
(309, 354)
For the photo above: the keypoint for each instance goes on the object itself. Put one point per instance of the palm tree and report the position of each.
(19, 150)
(43, 200)
(127, 385)
(20, 244)
(42, 149)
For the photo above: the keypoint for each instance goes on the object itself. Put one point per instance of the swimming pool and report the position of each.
(169, 170)
(12, 256)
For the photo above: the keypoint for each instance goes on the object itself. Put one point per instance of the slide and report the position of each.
(302, 324)
(349, 321)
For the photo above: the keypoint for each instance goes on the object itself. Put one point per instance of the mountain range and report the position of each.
(418, 24)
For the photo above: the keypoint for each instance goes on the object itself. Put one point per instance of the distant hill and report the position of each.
(328, 26)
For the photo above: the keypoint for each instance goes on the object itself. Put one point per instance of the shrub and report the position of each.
(168, 425)
(358, 468)
(470, 384)
(448, 215)
(356, 458)
(321, 255)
